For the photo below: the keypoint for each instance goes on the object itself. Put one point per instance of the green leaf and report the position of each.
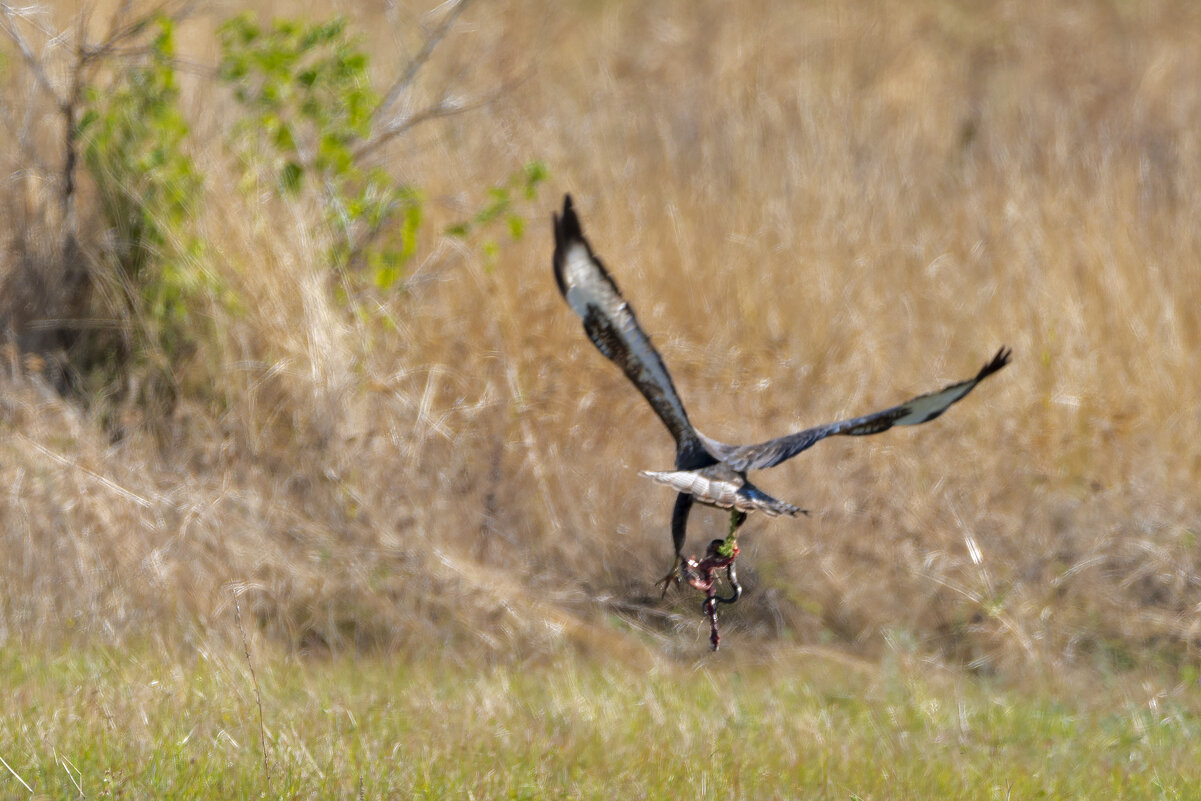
(535, 173)
(516, 226)
(290, 177)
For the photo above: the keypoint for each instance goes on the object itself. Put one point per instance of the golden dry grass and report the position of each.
(817, 210)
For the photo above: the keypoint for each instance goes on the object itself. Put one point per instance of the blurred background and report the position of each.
(279, 322)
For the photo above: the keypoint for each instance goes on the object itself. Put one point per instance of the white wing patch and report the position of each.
(592, 295)
(921, 409)
(588, 287)
(927, 407)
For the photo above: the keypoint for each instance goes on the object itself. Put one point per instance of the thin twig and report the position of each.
(440, 110)
(33, 62)
(401, 85)
(258, 697)
(124, 25)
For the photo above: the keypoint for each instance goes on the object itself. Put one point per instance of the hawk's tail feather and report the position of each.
(723, 493)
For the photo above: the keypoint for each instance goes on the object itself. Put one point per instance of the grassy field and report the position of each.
(112, 724)
(425, 497)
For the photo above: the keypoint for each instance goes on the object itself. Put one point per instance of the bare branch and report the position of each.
(35, 64)
(402, 84)
(446, 107)
(440, 110)
(123, 26)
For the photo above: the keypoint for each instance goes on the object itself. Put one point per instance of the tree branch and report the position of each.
(35, 65)
(402, 83)
(446, 107)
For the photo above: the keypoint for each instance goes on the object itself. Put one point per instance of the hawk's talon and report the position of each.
(676, 575)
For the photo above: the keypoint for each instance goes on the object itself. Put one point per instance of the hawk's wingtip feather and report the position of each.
(1000, 360)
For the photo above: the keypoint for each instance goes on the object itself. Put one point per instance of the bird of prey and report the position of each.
(707, 471)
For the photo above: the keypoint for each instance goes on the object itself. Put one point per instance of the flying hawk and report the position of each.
(707, 471)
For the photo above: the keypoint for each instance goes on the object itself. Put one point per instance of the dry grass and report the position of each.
(817, 210)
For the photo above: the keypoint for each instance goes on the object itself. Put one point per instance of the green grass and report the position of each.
(795, 726)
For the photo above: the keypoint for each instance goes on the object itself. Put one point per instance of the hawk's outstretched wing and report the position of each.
(610, 324)
(921, 409)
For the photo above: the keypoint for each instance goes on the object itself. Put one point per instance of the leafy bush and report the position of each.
(309, 109)
(309, 127)
(309, 105)
(132, 137)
